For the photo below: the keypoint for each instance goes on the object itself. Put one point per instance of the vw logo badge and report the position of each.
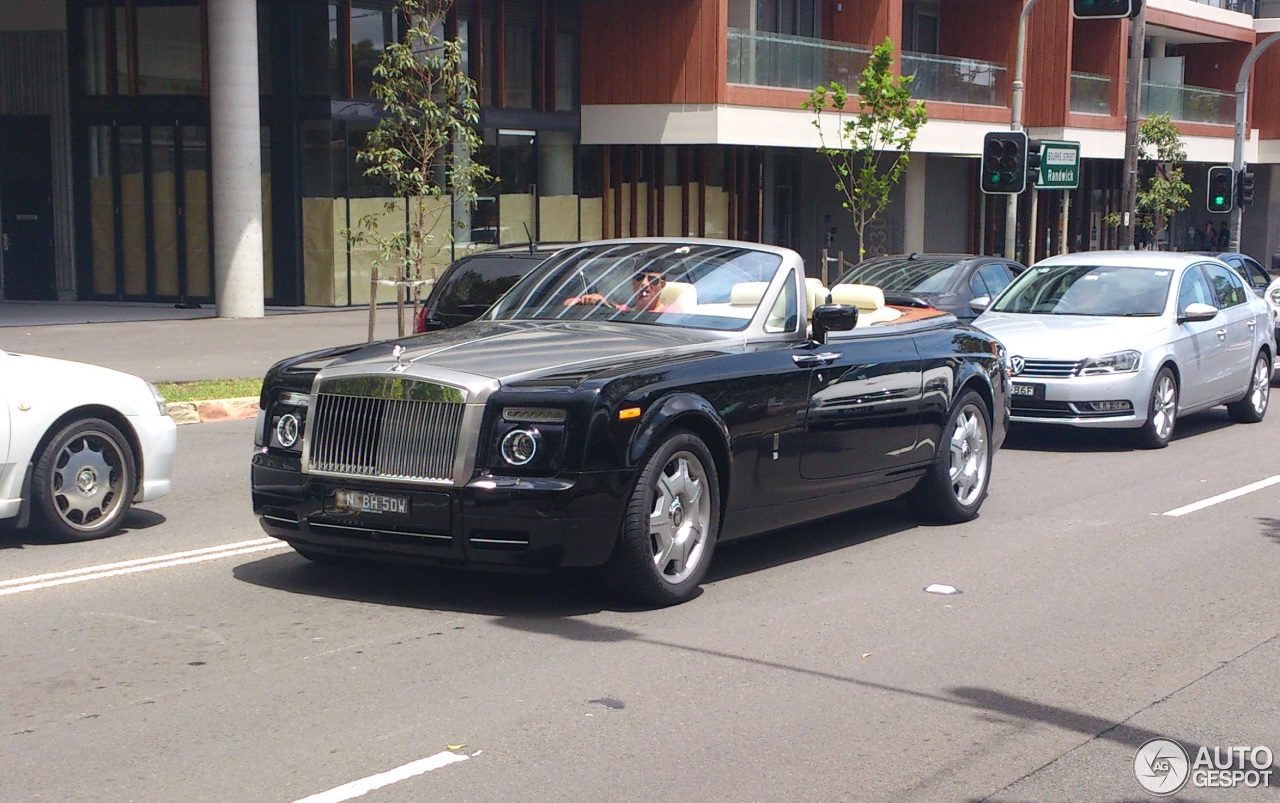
(1016, 365)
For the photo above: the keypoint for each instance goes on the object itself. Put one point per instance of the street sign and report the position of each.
(1059, 165)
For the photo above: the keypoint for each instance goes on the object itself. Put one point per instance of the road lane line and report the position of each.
(80, 578)
(366, 785)
(1224, 497)
(102, 567)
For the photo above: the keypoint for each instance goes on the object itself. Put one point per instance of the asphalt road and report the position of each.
(813, 667)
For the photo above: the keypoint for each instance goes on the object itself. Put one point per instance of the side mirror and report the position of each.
(1196, 313)
(833, 318)
(980, 303)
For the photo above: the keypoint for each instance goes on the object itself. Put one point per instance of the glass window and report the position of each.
(264, 49)
(1227, 285)
(1194, 290)
(995, 277)
(566, 71)
(169, 50)
(102, 223)
(321, 159)
(977, 287)
(519, 54)
(782, 318)
(1097, 290)
(374, 25)
(318, 40)
(96, 79)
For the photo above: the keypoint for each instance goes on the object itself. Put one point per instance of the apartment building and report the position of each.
(601, 118)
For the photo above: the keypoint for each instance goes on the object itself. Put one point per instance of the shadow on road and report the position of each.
(565, 593)
(35, 535)
(1271, 528)
(1057, 438)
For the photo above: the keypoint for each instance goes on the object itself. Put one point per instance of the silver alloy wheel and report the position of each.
(969, 455)
(1164, 407)
(88, 481)
(681, 517)
(1261, 386)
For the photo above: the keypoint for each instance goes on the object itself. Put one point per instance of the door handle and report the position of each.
(1252, 324)
(4, 246)
(809, 360)
(1222, 334)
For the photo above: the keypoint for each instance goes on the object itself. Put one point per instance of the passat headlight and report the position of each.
(1121, 362)
(161, 404)
(519, 446)
(1274, 295)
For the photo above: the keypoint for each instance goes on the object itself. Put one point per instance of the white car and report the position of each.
(1133, 340)
(78, 445)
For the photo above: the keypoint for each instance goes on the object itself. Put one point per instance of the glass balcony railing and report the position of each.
(760, 58)
(1190, 104)
(1090, 93)
(1256, 8)
(956, 80)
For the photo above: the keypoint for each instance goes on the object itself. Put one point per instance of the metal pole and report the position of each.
(1032, 225)
(1133, 110)
(1015, 124)
(1066, 217)
(1242, 105)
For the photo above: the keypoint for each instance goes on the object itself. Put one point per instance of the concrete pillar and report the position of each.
(914, 185)
(237, 161)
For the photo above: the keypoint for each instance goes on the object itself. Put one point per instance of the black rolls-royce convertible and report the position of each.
(629, 404)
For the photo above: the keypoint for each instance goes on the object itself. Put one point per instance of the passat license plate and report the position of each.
(363, 502)
(1030, 391)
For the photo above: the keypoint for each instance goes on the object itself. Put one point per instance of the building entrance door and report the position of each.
(26, 210)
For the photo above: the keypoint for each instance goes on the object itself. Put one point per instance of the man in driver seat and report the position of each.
(646, 290)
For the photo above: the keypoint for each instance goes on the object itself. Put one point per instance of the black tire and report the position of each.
(677, 493)
(84, 481)
(1253, 406)
(1162, 412)
(956, 482)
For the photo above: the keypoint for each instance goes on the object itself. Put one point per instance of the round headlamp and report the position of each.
(519, 446)
(287, 429)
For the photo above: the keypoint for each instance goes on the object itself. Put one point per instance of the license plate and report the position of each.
(362, 502)
(1032, 391)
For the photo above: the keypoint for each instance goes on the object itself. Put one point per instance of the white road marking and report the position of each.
(366, 785)
(1224, 497)
(21, 584)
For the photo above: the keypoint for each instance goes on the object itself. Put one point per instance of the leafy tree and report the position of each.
(1165, 193)
(872, 147)
(421, 149)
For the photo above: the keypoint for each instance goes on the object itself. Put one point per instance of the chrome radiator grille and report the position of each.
(1049, 368)
(386, 429)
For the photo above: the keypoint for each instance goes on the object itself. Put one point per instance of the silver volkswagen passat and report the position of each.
(1133, 339)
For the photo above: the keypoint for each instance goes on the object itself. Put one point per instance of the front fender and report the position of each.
(666, 413)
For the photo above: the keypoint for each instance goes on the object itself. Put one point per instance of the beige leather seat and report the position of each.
(747, 294)
(815, 295)
(678, 297)
(869, 300)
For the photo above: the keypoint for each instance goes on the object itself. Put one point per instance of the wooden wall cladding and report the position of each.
(1098, 46)
(653, 51)
(862, 22)
(1263, 98)
(1048, 66)
(1216, 66)
(980, 29)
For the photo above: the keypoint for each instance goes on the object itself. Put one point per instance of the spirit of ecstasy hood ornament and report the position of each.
(397, 351)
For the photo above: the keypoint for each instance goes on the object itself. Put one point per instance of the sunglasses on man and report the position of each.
(647, 278)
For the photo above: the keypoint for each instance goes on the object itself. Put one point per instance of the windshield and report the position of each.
(903, 275)
(701, 286)
(1100, 290)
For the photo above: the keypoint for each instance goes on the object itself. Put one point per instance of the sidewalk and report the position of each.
(163, 344)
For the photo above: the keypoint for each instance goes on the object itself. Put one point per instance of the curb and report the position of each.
(199, 412)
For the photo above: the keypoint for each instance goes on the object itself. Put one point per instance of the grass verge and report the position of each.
(208, 389)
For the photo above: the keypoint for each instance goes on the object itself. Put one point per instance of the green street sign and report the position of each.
(1059, 165)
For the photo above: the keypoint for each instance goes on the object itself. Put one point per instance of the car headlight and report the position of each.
(1274, 295)
(520, 446)
(288, 420)
(1121, 362)
(161, 404)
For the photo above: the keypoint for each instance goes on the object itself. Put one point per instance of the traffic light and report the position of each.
(1222, 190)
(1033, 162)
(1105, 9)
(1244, 186)
(1004, 162)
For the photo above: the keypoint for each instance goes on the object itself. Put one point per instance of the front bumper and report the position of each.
(492, 522)
(158, 437)
(1070, 400)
